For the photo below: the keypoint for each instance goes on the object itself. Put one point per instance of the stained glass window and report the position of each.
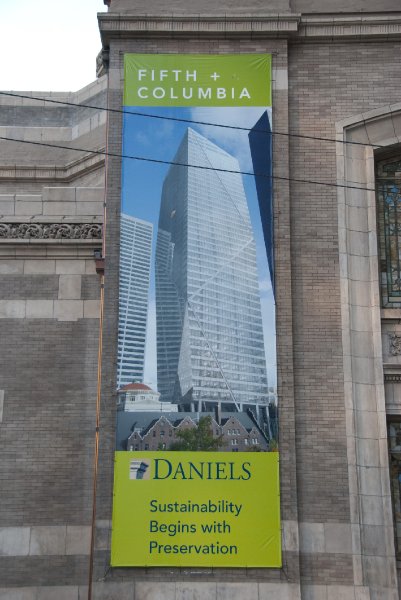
(394, 441)
(388, 178)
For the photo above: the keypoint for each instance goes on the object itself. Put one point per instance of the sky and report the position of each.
(48, 44)
(142, 184)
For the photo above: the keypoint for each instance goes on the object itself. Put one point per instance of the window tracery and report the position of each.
(388, 181)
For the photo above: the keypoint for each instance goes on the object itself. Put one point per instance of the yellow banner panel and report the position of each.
(206, 509)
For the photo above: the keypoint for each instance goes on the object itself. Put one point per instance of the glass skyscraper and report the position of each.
(135, 257)
(210, 347)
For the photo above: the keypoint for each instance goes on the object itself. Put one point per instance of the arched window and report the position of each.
(388, 179)
(388, 183)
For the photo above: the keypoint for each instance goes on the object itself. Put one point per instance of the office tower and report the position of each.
(260, 144)
(210, 346)
(135, 256)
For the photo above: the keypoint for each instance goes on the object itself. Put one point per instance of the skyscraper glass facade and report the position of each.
(210, 346)
(135, 258)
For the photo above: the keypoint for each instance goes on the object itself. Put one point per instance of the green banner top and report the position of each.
(197, 80)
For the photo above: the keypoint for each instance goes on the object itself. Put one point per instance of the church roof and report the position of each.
(135, 386)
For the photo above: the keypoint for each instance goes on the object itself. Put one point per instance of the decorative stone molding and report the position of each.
(65, 174)
(392, 378)
(102, 62)
(395, 343)
(53, 231)
(273, 25)
(349, 26)
(112, 25)
(364, 393)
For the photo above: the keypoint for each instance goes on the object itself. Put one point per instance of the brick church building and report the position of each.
(337, 194)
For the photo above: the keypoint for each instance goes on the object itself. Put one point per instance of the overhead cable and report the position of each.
(191, 121)
(191, 166)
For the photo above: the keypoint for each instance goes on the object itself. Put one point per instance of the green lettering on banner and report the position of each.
(172, 518)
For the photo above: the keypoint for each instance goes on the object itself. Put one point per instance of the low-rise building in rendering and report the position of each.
(135, 397)
(236, 432)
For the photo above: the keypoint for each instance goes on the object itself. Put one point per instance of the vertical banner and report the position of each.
(196, 460)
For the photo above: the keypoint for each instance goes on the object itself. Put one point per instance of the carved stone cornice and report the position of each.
(102, 63)
(351, 26)
(125, 26)
(297, 26)
(392, 377)
(62, 173)
(50, 231)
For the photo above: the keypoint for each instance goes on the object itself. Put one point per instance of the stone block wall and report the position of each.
(74, 128)
(51, 219)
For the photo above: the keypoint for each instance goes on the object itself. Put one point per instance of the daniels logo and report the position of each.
(139, 469)
(165, 469)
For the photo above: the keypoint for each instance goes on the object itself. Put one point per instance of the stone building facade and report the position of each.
(51, 216)
(336, 75)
